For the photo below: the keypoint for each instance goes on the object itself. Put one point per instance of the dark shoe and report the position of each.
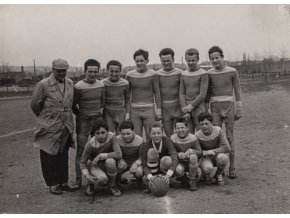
(219, 179)
(232, 173)
(207, 180)
(69, 188)
(184, 183)
(193, 185)
(90, 190)
(115, 191)
(55, 190)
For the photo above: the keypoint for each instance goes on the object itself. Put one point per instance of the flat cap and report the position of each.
(60, 64)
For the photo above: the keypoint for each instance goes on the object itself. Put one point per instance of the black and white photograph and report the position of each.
(144, 108)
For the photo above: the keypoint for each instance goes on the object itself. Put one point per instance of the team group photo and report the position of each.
(204, 133)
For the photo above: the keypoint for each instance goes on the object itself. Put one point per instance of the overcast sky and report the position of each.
(105, 32)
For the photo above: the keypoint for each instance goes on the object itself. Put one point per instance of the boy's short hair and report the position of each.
(127, 125)
(191, 52)
(215, 49)
(156, 125)
(115, 63)
(142, 52)
(101, 123)
(166, 51)
(204, 115)
(92, 62)
(181, 120)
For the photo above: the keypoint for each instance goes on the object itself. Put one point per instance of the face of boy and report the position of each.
(206, 126)
(114, 72)
(101, 135)
(181, 130)
(156, 134)
(127, 135)
(216, 60)
(167, 62)
(191, 61)
(91, 73)
(141, 63)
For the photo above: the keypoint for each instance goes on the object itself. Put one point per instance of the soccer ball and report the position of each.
(158, 187)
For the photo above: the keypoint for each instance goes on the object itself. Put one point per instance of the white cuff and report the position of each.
(149, 176)
(169, 173)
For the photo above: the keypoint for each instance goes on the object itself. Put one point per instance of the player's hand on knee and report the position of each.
(134, 168)
(122, 165)
(181, 156)
(165, 178)
(208, 153)
(103, 156)
(91, 179)
(96, 160)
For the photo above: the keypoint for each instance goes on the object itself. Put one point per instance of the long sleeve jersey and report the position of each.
(189, 142)
(193, 87)
(89, 99)
(222, 83)
(131, 151)
(144, 87)
(169, 85)
(117, 94)
(167, 149)
(216, 141)
(93, 148)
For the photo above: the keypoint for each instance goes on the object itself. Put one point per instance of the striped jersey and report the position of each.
(131, 151)
(144, 88)
(89, 99)
(222, 83)
(93, 148)
(216, 141)
(169, 85)
(189, 142)
(117, 94)
(193, 87)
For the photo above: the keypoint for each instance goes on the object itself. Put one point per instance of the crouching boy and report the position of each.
(158, 157)
(98, 163)
(215, 147)
(130, 165)
(188, 151)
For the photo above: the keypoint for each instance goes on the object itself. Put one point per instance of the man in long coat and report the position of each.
(52, 104)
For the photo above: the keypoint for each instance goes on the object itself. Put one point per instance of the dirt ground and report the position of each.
(263, 167)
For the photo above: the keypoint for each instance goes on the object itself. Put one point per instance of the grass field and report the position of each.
(263, 166)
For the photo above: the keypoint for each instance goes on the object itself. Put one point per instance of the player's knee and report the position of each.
(222, 160)
(179, 171)
(165, 163)
(110, 164)
(103, 180)
(193, 159)
(207, 169)
(152, 155)
(139, 172)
